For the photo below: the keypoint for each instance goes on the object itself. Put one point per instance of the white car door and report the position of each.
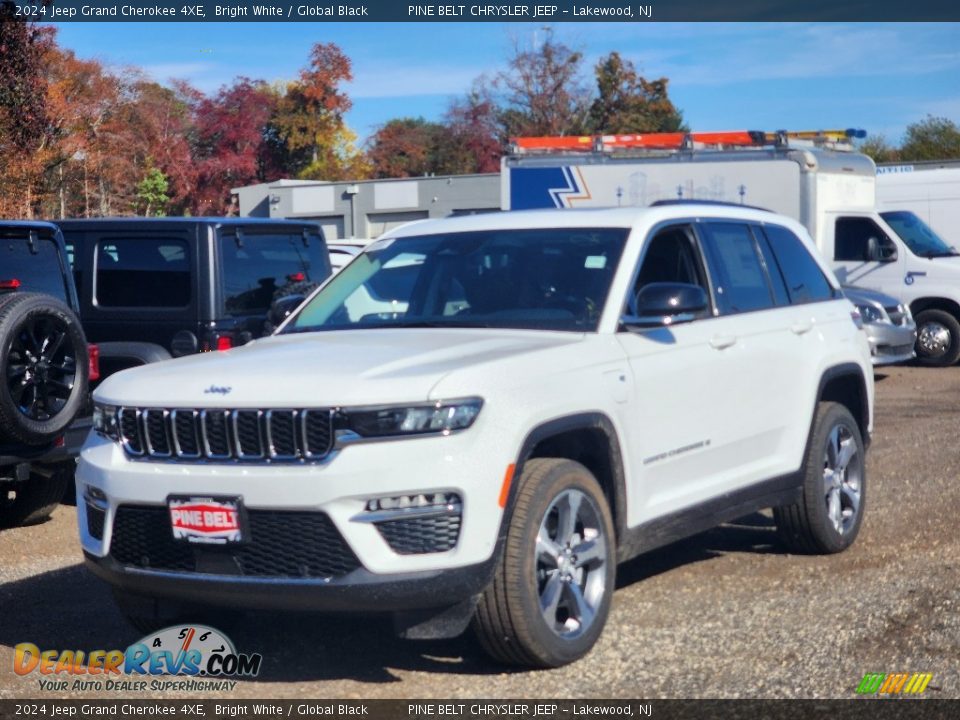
(703, 389)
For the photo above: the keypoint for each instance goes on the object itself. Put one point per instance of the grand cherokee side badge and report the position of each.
(217, 390)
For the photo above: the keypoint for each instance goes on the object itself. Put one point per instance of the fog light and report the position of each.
(422, 500)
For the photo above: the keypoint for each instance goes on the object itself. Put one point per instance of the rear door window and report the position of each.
(142, 272)
(740, 279)
(257, 267)
(32, 269)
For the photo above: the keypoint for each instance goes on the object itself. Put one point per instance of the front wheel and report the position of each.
(551, 592)
(938, 338)
(827, 517)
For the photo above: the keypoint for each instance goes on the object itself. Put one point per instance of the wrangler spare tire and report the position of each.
(44, 368)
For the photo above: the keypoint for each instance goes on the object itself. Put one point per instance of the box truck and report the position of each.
(819, 181)
(930, 192)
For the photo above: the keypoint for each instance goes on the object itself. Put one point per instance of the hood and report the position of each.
(864, 296)
(355, 367)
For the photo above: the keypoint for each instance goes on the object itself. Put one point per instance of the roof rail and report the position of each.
(677, 141)
(694, 201)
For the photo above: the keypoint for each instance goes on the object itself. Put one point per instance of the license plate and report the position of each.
(209, 520)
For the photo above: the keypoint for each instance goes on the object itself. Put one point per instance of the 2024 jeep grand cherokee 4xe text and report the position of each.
(480, 417)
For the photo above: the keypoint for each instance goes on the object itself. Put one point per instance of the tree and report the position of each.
(410, 147)
(878, 148)
(475, 127)
(231, 144)
(544, 92)
(309, 119)
(152, 194)
(24, 129)
(934, 138)
(626, 102)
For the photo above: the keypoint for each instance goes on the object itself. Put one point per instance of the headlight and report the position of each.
(105, 420)
(396, 421)
(871, 314)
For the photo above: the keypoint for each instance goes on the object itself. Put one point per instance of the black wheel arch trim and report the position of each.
(592, 421)
(839, 371)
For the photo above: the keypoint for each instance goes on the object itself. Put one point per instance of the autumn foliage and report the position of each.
(81, 140)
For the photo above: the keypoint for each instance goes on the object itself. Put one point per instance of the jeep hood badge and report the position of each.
(217, 390)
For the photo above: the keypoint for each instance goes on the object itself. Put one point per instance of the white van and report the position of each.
(832, 192)
(931, 193)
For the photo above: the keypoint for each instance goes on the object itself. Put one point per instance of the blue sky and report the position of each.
(723, 76)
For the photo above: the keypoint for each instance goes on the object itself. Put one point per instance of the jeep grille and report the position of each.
(245, 435)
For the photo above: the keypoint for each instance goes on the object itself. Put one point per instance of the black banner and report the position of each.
(865, 709)
(542, 11)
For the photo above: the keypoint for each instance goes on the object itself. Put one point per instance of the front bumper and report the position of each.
(890, 344)
(313, 543)
(359, 591)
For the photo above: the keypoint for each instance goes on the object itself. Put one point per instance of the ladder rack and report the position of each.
(732, 139)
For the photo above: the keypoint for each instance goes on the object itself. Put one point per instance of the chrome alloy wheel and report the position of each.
(842, 475)
(571, 555)
(933, 338)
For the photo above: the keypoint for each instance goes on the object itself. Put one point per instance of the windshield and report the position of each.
(260, 267)
(917, 235)
(555, 279)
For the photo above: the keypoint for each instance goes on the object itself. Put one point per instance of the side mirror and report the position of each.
(660, 304)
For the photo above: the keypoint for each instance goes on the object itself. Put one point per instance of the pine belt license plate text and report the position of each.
(210, 520)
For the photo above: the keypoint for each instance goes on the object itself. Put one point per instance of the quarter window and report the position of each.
(142, 272)
(804, 279)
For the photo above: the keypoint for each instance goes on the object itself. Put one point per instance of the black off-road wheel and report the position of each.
(33, 500)
(44, 368)
(827, 518)
(551, 591)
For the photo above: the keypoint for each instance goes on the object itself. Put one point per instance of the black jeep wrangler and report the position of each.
(151, 288)
(45, 365)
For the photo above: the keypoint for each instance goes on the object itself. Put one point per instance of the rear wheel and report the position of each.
(828, 516)
(938, 338)
(551, 592)
(43, 368)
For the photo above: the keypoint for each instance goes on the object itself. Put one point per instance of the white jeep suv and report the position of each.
(529, 399)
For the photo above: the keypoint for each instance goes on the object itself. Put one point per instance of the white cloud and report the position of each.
(789, 52)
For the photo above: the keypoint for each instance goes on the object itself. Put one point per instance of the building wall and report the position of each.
(368, 208)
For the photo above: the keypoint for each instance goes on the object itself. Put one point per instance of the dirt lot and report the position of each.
(725, 614)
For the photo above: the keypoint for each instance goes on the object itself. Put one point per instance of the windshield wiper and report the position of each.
(948, 253)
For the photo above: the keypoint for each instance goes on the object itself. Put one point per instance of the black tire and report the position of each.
(34, 499)
(509, 622)
(938, 338)
(44, 368)
(814, 525)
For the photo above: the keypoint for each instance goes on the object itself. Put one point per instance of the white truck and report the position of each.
(929, 191)
(832, 192)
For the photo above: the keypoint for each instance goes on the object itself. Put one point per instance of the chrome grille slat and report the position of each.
(227, 435)
(156, 434)
(184, 430)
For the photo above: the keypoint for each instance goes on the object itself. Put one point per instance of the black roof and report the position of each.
(180, 221)
(27, 225)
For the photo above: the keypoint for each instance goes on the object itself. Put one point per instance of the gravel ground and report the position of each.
(725, 614)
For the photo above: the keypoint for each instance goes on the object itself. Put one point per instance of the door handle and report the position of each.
(719, 342)
(802, 326)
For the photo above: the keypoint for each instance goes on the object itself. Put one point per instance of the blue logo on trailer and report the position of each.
(547, 187)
